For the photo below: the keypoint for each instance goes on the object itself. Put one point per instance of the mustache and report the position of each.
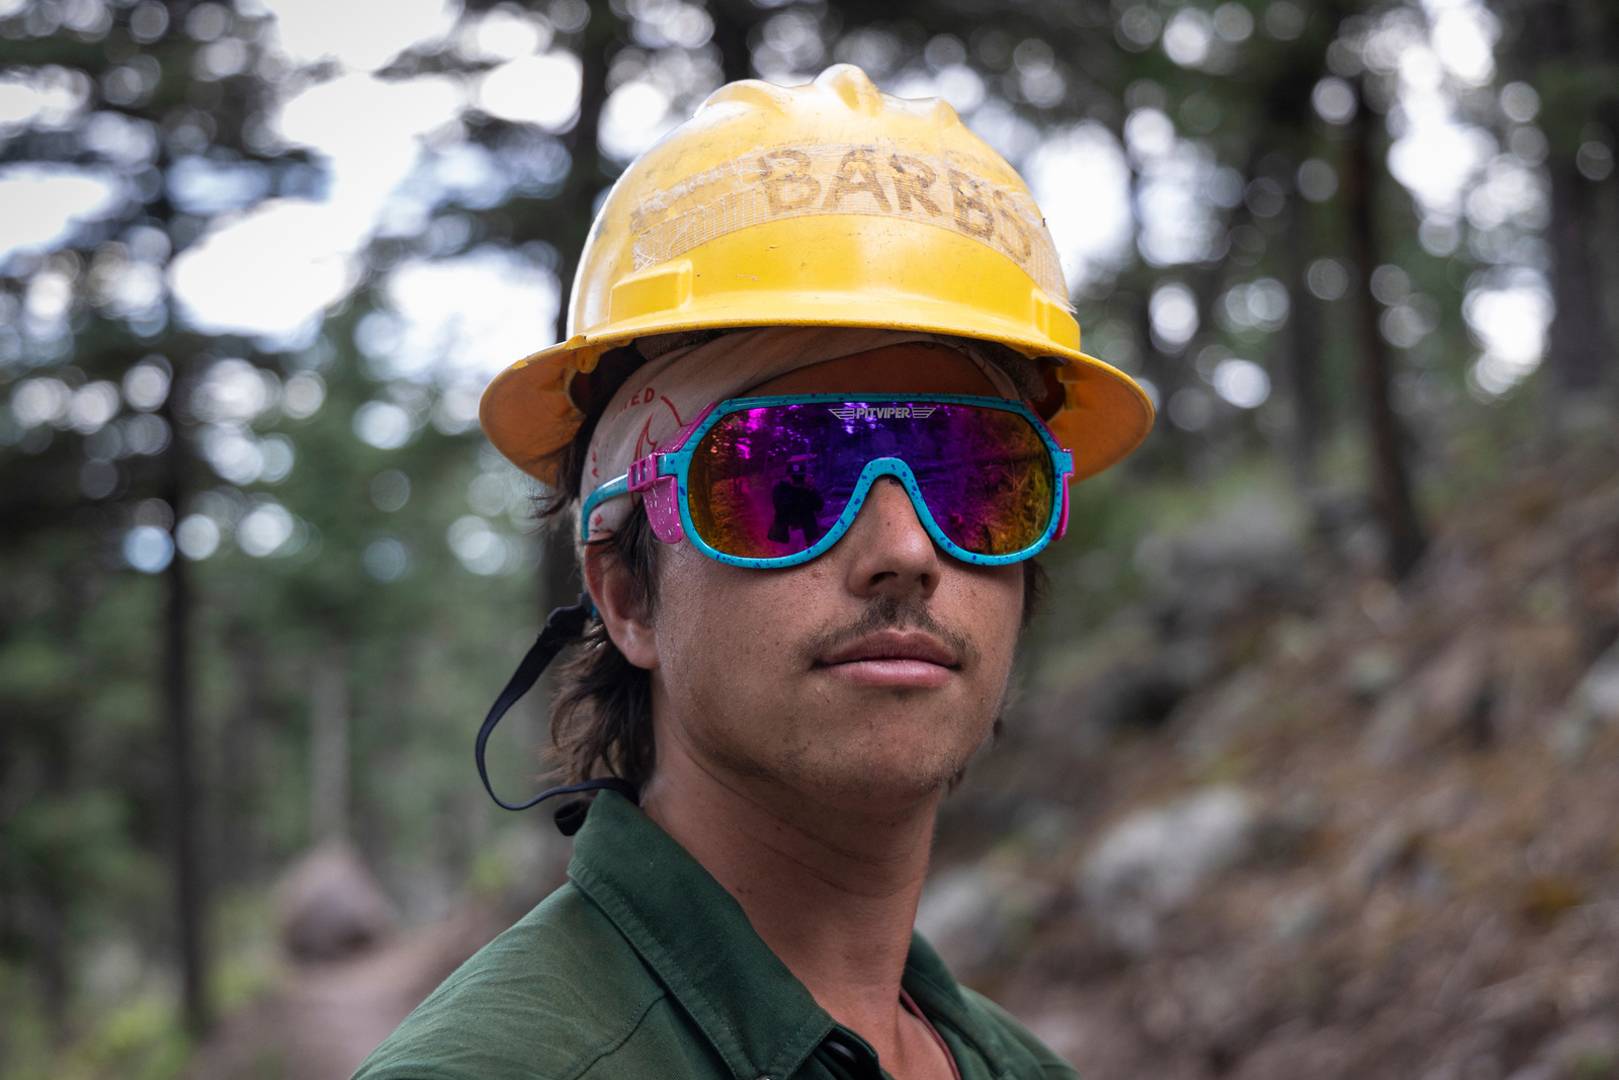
(888, 613)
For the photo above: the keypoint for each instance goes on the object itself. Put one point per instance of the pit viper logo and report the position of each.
(883, 412)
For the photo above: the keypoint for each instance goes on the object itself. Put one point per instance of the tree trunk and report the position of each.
(585, 174)
(559, 576)
(1391, 481)
(43, 903)
(45, 918)
(1303, 348)
(242, 857)
(731, 27)
(1159, 368)
(1578, 345)
(191, 892)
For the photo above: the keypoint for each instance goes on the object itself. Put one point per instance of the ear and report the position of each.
(621, 605)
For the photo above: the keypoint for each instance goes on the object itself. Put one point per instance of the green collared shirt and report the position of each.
(643, 966)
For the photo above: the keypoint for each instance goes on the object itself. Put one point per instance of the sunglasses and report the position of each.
(770, 482)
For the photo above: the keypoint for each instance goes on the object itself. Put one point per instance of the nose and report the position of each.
(890, 552)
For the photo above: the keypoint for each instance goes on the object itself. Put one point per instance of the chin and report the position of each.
(878, 751)
(893, 771)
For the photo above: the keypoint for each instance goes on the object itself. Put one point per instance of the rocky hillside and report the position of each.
(1280, 823)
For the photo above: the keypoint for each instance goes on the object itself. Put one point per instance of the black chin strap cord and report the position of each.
(563, 626)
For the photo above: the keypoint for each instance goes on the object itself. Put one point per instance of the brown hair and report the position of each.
(601, 714)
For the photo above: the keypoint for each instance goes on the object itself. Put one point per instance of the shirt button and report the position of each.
(841, 1050)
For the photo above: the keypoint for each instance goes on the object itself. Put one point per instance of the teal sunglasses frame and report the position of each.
(661, 480)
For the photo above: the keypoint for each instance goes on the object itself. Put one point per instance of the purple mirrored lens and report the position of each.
(991, 489)
(770, 481)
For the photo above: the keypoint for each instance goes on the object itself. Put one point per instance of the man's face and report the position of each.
(759, 674)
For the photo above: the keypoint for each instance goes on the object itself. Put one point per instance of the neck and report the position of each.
(832, 891)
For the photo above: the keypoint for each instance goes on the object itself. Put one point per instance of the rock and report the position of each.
(1214, 720)
(1600, 687)
(1299, 916)
(329, 906)
(1371, 671)
(1189, 663)
(1524, 1002)
(1285, 833)
(1395, 844)
(1391, 737)
(1151, 863)
(1296, 638)
(1449, 696)
(1258, 534)
(1132, 696)
(1588, 1049)
(1593, 704)
(1456, 691)
(974, 914)
(1536, 1072)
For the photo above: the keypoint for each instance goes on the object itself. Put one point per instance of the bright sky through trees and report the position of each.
(272, 270)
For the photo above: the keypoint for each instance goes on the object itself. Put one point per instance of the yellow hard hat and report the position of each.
(830, 204)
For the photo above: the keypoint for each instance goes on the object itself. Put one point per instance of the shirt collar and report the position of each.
(697, 940)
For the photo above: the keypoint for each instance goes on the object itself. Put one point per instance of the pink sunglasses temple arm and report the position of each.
(1067, 492)
(661, 494)
(1067, 480)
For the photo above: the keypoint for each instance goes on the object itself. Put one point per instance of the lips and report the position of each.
(893, 645)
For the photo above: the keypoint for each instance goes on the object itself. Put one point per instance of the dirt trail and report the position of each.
(326, 1017)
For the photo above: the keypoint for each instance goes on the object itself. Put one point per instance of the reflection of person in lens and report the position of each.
(797, 505)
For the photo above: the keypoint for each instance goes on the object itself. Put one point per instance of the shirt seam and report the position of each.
(790, 1066)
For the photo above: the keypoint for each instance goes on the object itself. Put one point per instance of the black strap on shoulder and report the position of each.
(563, 626)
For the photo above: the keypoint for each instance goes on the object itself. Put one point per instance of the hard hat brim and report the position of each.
(528, 413)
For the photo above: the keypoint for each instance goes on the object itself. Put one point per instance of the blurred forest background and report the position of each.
(1314, 768)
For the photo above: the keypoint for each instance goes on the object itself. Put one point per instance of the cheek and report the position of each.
(992, 607)
(992, 616)
(716, 624)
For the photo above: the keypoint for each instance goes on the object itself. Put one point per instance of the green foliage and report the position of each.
(28, 1035)
(1594, 1065)
(244, 933)
(141, 1038)
(72, 841)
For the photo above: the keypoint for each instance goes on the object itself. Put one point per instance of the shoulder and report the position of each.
(548, 998)
(995, 1019)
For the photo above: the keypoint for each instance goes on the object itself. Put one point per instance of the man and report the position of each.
(820, 282)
